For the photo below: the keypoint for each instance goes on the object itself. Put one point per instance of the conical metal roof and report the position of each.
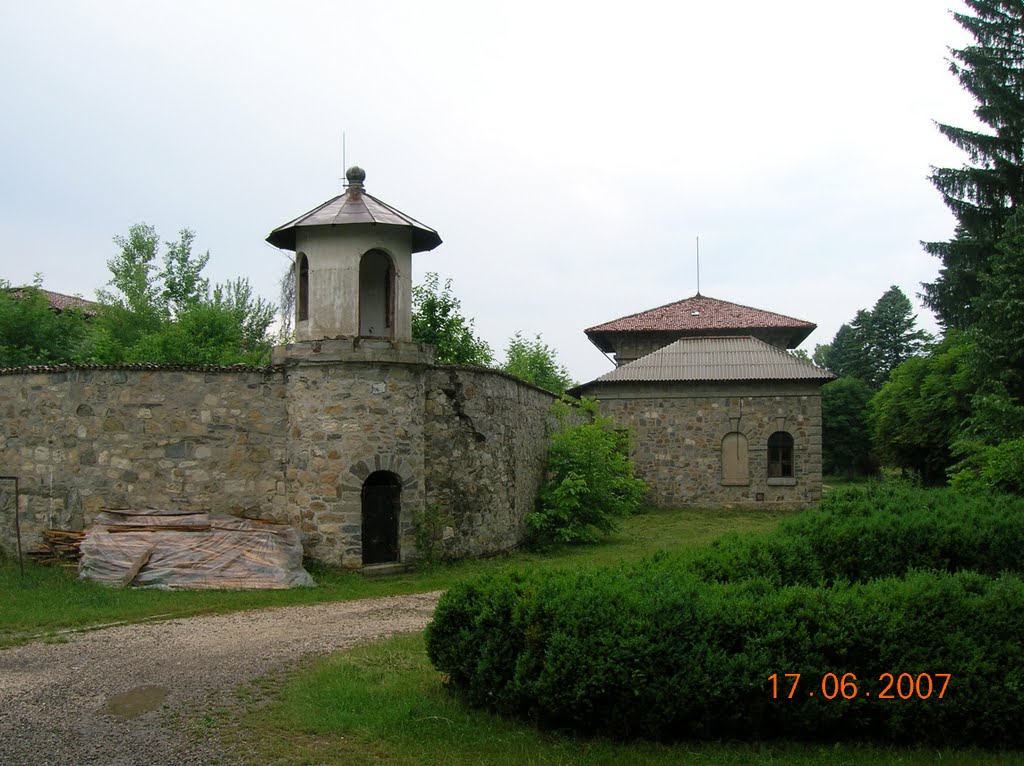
(355, 206)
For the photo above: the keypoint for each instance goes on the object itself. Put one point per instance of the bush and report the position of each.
(987, 468)
(590, 483)
(876, 531)
(653, 651)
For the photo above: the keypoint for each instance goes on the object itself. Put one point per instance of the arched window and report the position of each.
(735, 465)
(302, 289)
(376, 294)
(780, 455)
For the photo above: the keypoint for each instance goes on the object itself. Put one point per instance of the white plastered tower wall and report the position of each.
(353, 266)
(334, 261)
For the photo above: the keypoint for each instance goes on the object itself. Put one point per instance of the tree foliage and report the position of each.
(590, 483)
(536, 362)
(168, 313)
(917, 414)
(437, 320)
(32, 333)
(983, 193)
(846, 432)
(1000, 327)
(876, 342)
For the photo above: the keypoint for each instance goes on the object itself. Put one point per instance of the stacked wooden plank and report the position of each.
(59, 546)
(186, 550)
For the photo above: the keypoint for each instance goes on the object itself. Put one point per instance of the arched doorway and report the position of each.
(382, 504)
(376, 295)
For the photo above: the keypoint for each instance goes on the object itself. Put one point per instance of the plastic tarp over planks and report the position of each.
(191, 551)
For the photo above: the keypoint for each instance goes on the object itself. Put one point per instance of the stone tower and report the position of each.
(353, 266)
(355, 382)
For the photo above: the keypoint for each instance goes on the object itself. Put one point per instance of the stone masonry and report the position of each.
(293, 442)
(677, 433)
(83, 439)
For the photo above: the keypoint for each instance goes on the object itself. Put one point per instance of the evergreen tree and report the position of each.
(1000, 327)
(893, 337)
(840, 355)
(983, 193)
(845, 430)
(875, 342)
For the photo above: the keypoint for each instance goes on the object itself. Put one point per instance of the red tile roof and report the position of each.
(60, 301)
(700, 313)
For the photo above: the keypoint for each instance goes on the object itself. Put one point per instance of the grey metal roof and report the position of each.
(715, 359)
(355, 206)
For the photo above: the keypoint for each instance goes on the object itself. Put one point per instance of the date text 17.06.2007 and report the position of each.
(889, 686)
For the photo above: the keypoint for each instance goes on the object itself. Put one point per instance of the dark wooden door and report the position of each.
(381, 503)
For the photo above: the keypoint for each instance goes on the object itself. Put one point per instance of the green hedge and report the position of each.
(886, 529)
(654, 651)
(675, 647)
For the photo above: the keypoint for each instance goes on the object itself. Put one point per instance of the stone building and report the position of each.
(352, 435)
(720, 413)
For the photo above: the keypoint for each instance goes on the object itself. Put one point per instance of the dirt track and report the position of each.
(86, 701)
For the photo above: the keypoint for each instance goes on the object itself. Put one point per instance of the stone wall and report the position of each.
(355, 407)
(293, 443)
(486, 439)
(83, 439)
(678, 429)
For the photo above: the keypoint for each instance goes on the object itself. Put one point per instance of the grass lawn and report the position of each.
(49, 599)
(384, 703)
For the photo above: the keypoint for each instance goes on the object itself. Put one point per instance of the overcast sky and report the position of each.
(569, 154)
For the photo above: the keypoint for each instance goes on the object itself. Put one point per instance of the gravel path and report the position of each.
(56, 699)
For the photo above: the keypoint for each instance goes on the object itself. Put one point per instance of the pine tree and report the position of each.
(983, 193)
(1000, 329)
(893, 337)
(875, 342)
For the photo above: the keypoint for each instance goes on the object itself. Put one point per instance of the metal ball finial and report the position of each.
(355, 175)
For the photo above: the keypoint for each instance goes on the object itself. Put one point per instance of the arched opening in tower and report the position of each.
(302, 288)
(376, 295)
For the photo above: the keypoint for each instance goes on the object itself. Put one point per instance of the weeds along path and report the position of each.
(112, 696)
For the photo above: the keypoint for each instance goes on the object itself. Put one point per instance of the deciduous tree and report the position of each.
(169, 313)
(536, 362)
(33, 333)
(917, 414)
(437, 320)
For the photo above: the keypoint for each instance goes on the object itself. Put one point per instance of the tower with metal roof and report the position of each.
(353, 265)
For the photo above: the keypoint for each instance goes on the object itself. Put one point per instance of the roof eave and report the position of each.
(422, 239)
